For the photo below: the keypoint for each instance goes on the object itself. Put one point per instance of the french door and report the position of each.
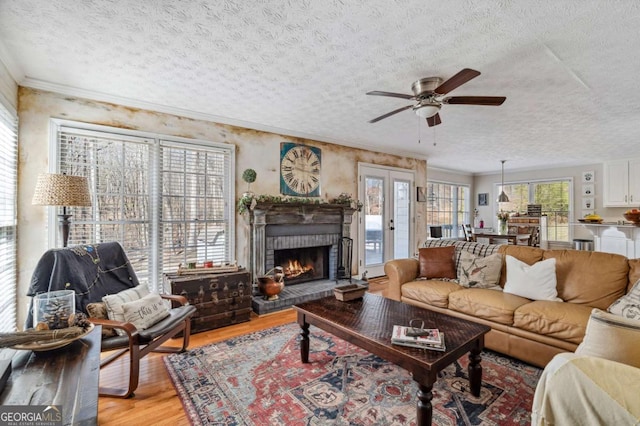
(386, 219)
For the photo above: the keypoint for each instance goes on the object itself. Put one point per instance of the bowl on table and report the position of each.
(633, 217)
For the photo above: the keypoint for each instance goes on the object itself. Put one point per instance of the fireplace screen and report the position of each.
(303, 264)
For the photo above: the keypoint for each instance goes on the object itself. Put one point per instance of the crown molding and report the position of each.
(135, 103)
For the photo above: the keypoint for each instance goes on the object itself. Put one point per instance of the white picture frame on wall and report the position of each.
(588, 190)
(588, 203)
(588, 176)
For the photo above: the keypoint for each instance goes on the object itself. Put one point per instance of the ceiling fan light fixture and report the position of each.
(427, 110)
(502, 198)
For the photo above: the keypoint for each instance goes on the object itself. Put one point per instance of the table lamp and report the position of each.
(62, 190)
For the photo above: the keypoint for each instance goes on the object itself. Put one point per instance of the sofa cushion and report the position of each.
(628, 306)
(437, 262)
(561, 320)
(590, 278)
(536, 282)
(492, 305)
(479, 272)
(612, 337)
(526, 254)
(432, 292)
(634, 273)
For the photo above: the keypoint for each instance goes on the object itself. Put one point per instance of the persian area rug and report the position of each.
(258, 379)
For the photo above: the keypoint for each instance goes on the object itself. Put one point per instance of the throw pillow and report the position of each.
(479, 272)
(437, 262)
(611, 337)
(145, 312)
(628, 306)
(99, 310)
(536, 282)
(114, 302)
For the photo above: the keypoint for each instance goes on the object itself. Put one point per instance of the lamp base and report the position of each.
(64, 222)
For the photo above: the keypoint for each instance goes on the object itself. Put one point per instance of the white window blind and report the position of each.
(8, 219)
(166, 202)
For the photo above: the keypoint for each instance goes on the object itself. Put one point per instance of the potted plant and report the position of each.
(249, 176)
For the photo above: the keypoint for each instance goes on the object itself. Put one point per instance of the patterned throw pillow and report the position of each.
(99, 310)
(479, 272)
(145, 312)
(611, 337)
(628, 306)
(114, 302)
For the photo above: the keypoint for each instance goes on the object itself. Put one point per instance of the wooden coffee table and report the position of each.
(368, 323)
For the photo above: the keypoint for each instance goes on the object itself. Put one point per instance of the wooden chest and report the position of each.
(220, 299)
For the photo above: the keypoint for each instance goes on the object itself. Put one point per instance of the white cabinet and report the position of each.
(621, 183)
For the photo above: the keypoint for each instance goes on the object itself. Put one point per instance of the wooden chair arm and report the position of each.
(127, 327)
(175, 298)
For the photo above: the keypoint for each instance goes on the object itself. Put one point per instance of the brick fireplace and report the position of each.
(309, 234)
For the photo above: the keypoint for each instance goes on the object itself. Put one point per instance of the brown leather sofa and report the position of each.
(533, 331)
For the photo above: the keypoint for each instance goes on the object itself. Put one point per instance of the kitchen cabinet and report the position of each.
(621, 183)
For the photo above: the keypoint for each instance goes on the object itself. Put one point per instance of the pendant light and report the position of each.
(502, 198)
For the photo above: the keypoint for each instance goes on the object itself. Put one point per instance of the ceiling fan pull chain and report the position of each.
(418, 121)
(434, 136)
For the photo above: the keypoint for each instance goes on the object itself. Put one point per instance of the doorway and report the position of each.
(386, 219)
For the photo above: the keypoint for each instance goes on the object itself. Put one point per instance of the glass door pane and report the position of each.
(374, 220)
(401, 218)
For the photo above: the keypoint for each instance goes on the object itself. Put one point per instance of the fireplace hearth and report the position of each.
(302, 238)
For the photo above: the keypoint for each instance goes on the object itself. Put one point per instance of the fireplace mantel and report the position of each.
(265, 216)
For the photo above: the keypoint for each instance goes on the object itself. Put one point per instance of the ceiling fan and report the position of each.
(429, 96)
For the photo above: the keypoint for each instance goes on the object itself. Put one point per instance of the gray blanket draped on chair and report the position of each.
(92, 271)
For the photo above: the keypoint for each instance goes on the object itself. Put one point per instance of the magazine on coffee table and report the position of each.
(418, 338)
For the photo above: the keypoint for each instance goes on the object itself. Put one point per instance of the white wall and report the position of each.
(8, 88)
(254, 149)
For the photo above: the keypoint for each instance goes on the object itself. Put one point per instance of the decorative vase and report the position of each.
(54, 310)
(503, 227)
(271, 285)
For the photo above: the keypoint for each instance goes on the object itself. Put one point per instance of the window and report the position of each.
(448, 206)
(555, 198)
(168, 201)
(8, 218)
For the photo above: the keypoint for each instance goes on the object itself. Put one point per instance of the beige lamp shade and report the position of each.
(61, 190)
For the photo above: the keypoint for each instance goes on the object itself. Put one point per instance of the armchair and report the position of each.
(98, 270)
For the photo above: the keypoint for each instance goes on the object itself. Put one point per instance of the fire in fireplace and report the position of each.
(303, 264)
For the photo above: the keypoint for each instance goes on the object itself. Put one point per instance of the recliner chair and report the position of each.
(94, 271)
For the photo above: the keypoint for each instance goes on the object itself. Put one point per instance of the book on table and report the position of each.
(430, 338)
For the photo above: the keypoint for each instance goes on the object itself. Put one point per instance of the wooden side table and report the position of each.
(67, 377)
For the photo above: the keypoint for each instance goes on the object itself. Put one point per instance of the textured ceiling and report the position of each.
(568, 68)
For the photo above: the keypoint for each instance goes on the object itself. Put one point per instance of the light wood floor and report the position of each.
(156, 401)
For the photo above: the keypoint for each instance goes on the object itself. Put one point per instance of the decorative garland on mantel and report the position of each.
(249, 202)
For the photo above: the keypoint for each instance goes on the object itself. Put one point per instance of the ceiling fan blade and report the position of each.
(393, 95)
(434, 120)
(457, 80)
(475, 100)
(390, 113)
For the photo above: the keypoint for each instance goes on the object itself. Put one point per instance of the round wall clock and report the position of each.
(299, 170)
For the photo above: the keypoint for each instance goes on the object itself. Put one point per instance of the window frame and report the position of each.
(8, 254)
(455, 213)
(531, 193)
(156, 143)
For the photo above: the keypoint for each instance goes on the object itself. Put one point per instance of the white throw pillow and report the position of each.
(536, 282)
(628, 306)
(611, 337)
(145, 312)
(114, 302)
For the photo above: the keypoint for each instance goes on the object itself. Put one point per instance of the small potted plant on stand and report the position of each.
(249, 176)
